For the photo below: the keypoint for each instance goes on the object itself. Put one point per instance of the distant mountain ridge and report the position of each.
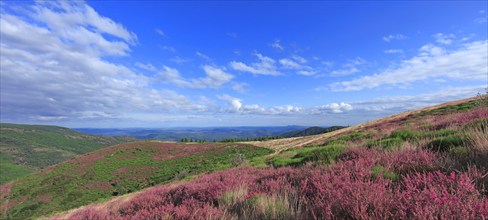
(208, 134)
(311, 131)
(26, 148)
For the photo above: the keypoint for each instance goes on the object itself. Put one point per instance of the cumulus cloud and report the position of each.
(265, 66)
(234, 102)
(53, 66)
(236, 106)
(335, 107)
(466, 63)
(391, 37)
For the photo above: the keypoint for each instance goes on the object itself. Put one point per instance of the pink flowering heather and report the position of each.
(346, 190)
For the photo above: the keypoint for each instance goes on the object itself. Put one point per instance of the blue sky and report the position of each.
(171, 64)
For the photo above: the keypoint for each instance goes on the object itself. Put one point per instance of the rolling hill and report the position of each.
(117, 170)
(427, 163)
(27, 148)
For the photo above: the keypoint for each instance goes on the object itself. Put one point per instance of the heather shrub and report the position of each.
(379, 170)
(362, 184)
(410, 160)
(357, 153)
(435, 195)
(90, 213)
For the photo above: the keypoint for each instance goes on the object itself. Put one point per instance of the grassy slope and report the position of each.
(287, 143)
(455, 132)
(26, 148)
(445, 129)
(117, 170)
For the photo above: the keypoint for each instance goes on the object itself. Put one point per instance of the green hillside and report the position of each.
(26, 148)
(117, 170)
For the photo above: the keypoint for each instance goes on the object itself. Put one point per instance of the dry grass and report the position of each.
(478, 145)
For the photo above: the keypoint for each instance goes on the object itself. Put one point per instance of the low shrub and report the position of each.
(345, 190)
(443, 144)
(316, 155)
(406, 135)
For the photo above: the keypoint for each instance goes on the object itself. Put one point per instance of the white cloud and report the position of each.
(160, 32)
(234, 102)
(393, 51)
(240, 87)
(178, 60)
(236, 106)
(307, 72)
(299, 59)
(148, 66)
(444, 38)
(215, 77)
(290, 64)
(203, 56)
(335, 108)
(265, 66)
(394, 37)
(276, 45)
(467, 63)
(49, 73)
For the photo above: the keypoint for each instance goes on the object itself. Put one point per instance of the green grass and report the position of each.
(10, 171)
(443, 144)
(79, 183)
(37, 146)
(317, 155)
(388, 143)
